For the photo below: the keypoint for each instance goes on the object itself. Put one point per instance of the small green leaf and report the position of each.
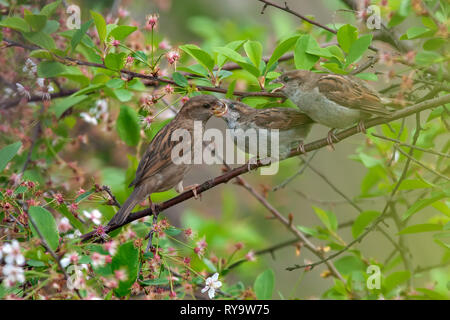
(358, 48)
(394, 280)
(433, 44)
(115, 61)
(253, 49)
(172, 231)
(127, 126)
(180, 79)
(41, 54)
(46, 224)
(418, 228)
(50, 8)
(230, 90)
(36, 21)
(123, 95)
(100, 24)
(234, 45)
(422, 203)
(126, 259)
(15, 23)
(241, 61)
(200, 55)
(362, 221)
(61, 105)
(425, 58)
(84, 195)
(78, 35)
(264, 285)
(302, 59)
(346, 36)
(328, 218)
(50, 69)
(40, 39)
(115, 83)
(367, 76)
(7, 153)
(418, 32)
(121, 32)
(281, 49)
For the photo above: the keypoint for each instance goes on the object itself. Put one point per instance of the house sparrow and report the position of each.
(157, 171)
(293, 125)
(336, 101)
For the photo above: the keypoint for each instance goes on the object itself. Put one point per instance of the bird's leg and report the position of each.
(330, 138)
(301, 147)
(361, 127)
(193, 187)
(155, 213)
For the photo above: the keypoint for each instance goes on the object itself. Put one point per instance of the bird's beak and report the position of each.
(220, 109)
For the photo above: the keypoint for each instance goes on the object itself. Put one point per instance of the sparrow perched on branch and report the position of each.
(292, 125)
(336, 101)
(157, 170)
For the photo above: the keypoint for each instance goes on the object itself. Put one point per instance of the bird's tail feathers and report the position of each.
(125, 210)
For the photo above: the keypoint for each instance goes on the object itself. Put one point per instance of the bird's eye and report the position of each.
(285, 79)
(206, 105)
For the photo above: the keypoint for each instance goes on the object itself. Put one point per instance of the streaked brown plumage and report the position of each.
(292, 125)
(156, 171)
(336, 101)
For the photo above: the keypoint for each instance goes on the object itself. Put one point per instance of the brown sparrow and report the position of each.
(157, 171)
(292, 125)
(336, 101)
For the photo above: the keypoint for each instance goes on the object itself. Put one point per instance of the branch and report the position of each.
(12, 103)
(224, 178)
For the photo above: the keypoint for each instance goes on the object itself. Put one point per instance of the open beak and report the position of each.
(279, 88)
(220, 109)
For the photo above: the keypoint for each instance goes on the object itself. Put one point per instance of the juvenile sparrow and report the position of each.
(293, 125)
(157, 171)
(336, 101)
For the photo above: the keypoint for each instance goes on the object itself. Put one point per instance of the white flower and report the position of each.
(12, 252)
(76, 278)
(30, 67)
(23, 91)
(12, 275)
(212, 284)
(44, 91)
(102, 107)
(40, 82)
(64, 225)
(69, 258)
(88, 118)
(95, 216)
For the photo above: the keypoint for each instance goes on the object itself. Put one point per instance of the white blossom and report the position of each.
(12, 275)
(23, 91)
(12, 253)
(88, 118)
(94, 216)
(212, 284)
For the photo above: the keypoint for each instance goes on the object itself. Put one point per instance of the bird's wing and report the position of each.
(351, 93)
(280, 118)
(157, 156)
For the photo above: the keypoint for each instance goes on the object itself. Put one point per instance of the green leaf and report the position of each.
(40, 39)
(36, 21)
(15, 23)
(121, 32)
(281, 49)
(41, 54)
(78, 35)
(63, 104)
(413, 184)
(358, 48)
(126, 259)
(253, 49)
(46, 224)
(425, 58)
(123, 95)
(84, 195)
(346, 36)
(367, 76)
(100, 24)
(236, 57)
(50, 8)
(302, 59)
(422, 203)
(127, 126)
(115, 61)
(348, 264)
(115, 83)
(264, 284)
(51, 26)
(230, 90)
(200, 55)
(180, 79)
(433, 44)
(69, 215)
(172, 231)
(234, 45)
(362, 221)
(394, 280)
(50, 69)
(7, 153)
(418, 228)
(418, 32)
(328, 218)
